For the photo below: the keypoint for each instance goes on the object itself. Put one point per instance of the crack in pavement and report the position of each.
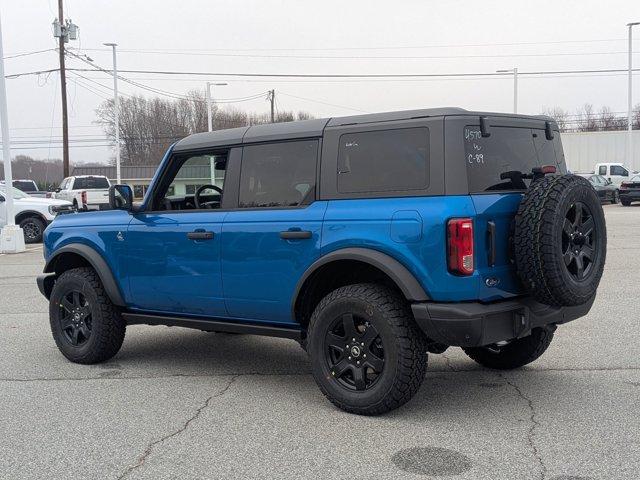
(533, 425)
(149, 450)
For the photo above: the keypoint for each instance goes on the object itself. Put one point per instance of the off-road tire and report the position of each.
(538, 240)
(35, 225)
(515, 354)
(405, 348)
(107, 325)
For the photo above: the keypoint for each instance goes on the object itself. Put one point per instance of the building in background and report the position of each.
(582, 150)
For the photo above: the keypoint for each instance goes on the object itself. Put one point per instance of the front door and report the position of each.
(274, 235)
(174, 244)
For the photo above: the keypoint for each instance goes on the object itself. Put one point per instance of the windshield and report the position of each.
(16, 193)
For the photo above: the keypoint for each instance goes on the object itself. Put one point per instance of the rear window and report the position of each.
(88, 183)
(25, 186)
(507, 149)
(383, 160)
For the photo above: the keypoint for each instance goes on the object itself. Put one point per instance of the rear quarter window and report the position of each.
(383, 160)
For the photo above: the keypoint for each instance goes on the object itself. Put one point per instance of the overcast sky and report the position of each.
(262, 36)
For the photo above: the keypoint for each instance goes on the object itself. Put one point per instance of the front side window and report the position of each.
(278, 174)
(603, 170)
(181, 189)
(383, 160)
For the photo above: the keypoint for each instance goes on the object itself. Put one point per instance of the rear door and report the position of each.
(273, 236)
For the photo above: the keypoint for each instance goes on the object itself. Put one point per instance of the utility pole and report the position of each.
(64, 31)
(272, 98)
(11, 236)
(515, 86)
(63, 86)
(630, 159)
(116, 110)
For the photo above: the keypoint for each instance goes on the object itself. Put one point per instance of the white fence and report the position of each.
(583, 150)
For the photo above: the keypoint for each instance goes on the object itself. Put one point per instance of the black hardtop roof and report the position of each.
(315, 127)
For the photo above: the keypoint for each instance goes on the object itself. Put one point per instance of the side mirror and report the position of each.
(121, 197)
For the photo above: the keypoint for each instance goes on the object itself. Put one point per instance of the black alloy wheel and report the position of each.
(354, 352)
(75, 318)
(579, 241)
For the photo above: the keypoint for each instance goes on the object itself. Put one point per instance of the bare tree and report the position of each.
(560, 116)
(148, 126)
(586, 119)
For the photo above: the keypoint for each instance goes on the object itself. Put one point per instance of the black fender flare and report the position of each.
(401, 276)
(97, 262)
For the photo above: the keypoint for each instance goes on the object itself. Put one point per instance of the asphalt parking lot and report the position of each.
(178, 403)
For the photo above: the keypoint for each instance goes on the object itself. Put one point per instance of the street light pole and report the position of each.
(11, 236)
(630, 100)
(116, 109)
(515, 86)
(208, 100)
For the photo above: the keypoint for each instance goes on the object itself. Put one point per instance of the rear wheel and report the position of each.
(514, 354)
(368, 355)
(625, 203)
(33, 228)
(86, 326)
(616, 197)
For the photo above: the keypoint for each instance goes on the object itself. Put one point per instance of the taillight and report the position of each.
(460, 237)
(83, 197)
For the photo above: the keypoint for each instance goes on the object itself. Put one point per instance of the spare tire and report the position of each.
(560, 240)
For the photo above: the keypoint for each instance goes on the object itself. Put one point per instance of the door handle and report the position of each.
(295, 234)
(200, 235)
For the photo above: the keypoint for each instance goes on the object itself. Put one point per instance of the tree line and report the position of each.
(588, 119)
(148, 126)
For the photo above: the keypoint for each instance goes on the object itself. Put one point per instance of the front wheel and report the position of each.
(33, 228)
(368, 356)
(86, 326)
(514, 354)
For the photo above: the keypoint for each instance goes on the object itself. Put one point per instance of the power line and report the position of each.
(361, 57)
(361, 75)
(26, 54)
(396, 47)
(321, 102)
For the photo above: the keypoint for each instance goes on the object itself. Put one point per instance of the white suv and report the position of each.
(32, 214)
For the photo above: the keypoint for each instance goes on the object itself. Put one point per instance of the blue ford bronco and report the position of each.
(371, 240)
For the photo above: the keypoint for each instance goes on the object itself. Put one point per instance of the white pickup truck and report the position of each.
(86, 192)
(616, 173)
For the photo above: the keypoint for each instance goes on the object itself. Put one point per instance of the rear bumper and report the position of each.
(473, 324)
(630, 195)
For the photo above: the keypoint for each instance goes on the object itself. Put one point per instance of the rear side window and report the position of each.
(383, 160)
(25, 186)
(278, 174)
(87, 183)
(505, 152)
